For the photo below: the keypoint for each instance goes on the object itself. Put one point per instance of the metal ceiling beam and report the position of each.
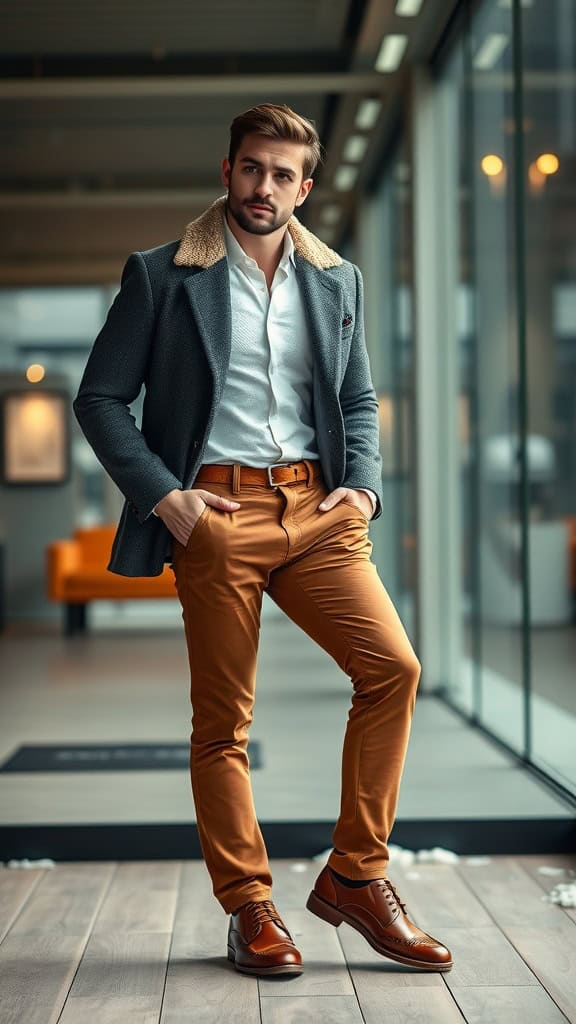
(190, 85)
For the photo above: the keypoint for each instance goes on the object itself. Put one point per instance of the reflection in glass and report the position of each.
(548, 54)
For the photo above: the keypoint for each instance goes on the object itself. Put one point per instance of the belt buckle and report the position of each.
(270, 480)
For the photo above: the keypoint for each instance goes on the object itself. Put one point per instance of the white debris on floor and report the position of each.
(401, 855)
(404, 858)
(438, 855)
(564, 894)
(546, 869)
(44, 862)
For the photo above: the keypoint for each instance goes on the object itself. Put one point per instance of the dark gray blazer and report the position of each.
(169, 328)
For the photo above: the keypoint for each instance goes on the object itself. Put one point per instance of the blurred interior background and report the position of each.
(450, 179)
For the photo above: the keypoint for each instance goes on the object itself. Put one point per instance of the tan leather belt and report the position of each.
(269, 476)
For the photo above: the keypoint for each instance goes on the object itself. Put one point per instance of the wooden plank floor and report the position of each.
(145, 942)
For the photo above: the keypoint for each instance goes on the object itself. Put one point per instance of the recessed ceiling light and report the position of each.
(345, 178)
(492, 165)
(490, 51)
(35, 372)
(548, 163)
(368, 113)
(355, 148)
(408, 8)
(391, 51)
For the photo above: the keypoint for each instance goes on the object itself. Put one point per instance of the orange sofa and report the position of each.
(76, 574)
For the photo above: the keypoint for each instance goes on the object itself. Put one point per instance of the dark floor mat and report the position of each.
(110, 757)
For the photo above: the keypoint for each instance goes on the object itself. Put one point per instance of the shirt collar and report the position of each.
(236, 254)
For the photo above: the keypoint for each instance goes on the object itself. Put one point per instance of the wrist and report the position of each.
(166, 501)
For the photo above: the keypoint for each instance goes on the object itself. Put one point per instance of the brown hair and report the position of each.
(277, 121)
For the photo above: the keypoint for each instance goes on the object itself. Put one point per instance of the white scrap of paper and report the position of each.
(400, 855)
(564, 894)
(438, 855)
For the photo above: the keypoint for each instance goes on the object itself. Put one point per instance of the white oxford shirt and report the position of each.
(265, 415)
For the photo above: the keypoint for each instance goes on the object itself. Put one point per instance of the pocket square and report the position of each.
(347, 320)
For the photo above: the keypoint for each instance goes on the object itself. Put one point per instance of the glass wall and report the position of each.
(393, 373)
(548, 51)
(510, 132)
(479, 74)
(503, 105)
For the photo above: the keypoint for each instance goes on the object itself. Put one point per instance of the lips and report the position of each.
(259, 206)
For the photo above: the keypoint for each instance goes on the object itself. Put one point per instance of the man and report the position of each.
(257, 469)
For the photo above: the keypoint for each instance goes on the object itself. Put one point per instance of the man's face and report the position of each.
(266, 183)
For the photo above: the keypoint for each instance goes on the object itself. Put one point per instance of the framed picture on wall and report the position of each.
(35, 437)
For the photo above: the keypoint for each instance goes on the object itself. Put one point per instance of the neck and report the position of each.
(265, 249)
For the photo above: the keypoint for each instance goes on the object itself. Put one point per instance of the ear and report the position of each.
(304, 190)
(226, 169)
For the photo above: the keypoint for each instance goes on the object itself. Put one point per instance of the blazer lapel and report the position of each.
(322, 296)
(208, 293)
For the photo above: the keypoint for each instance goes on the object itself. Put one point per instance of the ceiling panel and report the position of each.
(53, 27)
(157, 140)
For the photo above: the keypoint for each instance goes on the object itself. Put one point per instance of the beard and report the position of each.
(253, 222)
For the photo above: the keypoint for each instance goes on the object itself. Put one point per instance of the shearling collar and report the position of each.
(203, 242)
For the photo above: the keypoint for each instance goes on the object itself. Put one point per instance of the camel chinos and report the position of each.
(317, 567)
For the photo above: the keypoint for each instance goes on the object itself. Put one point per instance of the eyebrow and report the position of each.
(277, 167)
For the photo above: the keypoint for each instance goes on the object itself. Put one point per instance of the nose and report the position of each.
(264, 186)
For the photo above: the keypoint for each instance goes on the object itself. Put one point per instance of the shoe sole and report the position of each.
(316, 905)
(280, 969)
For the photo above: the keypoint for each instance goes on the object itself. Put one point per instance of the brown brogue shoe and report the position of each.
(260, 943)
(377, 912)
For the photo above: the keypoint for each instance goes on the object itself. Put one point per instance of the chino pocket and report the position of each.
(202, 518)
(357, 508)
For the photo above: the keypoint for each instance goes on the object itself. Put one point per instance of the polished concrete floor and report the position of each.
(127, 681)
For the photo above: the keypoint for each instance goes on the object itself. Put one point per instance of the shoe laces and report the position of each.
(391, 894)
(264, 910)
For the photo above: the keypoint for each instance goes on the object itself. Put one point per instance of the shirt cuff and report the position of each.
(371, 495)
